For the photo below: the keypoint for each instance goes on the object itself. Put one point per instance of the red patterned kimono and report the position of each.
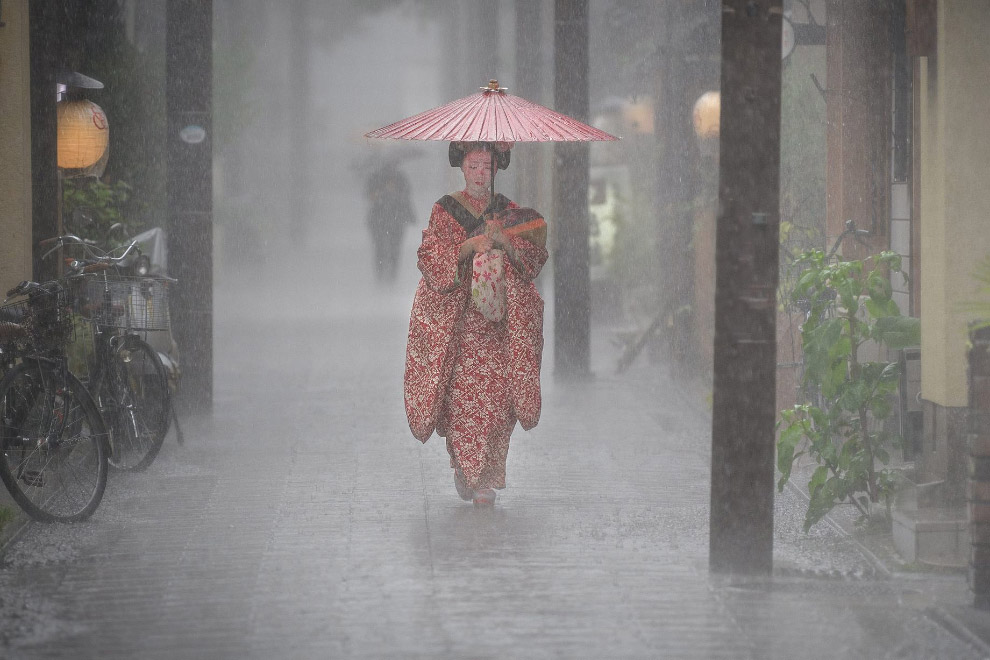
(467, 377)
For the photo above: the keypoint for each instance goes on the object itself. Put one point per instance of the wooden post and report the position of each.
(571, 275)
(300, 165)
(858, 123)
(46, 54)
(741, 525)
(189, 191)
(528, 81)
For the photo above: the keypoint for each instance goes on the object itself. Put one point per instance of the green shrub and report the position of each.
(840, 425)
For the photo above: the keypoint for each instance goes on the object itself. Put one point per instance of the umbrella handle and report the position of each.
(492, 191)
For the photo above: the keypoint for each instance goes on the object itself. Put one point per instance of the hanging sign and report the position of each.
(192, 134)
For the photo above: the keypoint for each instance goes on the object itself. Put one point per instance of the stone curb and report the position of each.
(879, 566)
(961, 629)
(13, 530)
(974, 632)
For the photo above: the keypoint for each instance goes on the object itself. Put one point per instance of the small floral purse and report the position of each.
(488, 269)
(488, 284)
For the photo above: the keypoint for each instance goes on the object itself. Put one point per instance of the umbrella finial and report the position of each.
(493, 87)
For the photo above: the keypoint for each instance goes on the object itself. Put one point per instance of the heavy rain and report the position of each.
(260, 405)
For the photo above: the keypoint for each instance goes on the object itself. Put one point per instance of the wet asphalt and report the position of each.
(302, 520)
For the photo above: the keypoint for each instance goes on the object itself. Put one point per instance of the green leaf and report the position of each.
(826, 450)
(855, 395)
(853, 446)
(822, 499)
(818, 478)
(834, 378)
(789, 439)
(880, 407)
(878, 287)
(881, 309)
(811, 258)
(890, 259)
(891, 372)
(819, 418)
(807, 281)
(849, 292)
(897, 331)
(818, 344)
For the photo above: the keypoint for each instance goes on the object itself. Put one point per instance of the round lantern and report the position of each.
(639, 117)
(706, 114)
(83, 134)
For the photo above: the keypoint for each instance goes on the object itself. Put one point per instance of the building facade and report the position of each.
(15, 145)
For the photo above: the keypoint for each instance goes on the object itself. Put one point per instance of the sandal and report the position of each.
(484, 497)
(460, 484)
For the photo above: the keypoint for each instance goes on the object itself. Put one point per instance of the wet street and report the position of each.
(302, 520)
(805, 171)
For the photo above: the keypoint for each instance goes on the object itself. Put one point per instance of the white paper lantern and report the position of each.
(83, 134)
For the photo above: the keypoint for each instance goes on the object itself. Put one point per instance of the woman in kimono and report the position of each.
(476, 329)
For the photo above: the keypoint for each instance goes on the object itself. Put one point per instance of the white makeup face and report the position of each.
(477, 169)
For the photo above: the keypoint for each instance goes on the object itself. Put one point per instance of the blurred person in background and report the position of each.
(476, 329)
(389, 211)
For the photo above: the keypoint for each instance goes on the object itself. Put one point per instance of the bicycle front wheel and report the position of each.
(136, 403)
(53, 444)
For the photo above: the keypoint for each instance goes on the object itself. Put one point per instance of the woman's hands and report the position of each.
(498, 237)
(475, 245)
(493, 238)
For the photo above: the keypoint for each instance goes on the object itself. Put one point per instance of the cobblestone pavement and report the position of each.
(302, 520)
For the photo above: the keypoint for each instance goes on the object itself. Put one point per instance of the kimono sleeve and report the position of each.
(438, 252)
(529, 257)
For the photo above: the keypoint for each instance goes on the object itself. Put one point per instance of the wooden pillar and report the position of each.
(16, 189)
(46, 55)
(571, 275)
(300, 104)
(858, 101)
(189, 191)
(528, 82)
(746, 253)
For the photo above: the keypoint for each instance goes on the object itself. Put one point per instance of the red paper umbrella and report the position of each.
(491, 115)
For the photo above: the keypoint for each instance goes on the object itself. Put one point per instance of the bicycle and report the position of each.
(81, 222)
(54, 446)
(126, 375)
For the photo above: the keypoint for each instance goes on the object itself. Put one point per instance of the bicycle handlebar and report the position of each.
(104, 262)
(93, 257)
(71, 238)
(849, 230)
(22, 288)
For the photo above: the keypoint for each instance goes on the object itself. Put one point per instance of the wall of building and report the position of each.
(15, 146)
(954, 191)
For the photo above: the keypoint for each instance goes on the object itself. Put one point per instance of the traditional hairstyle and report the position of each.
(458, 150)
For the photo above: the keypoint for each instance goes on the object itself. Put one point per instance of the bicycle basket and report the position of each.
(131, 303)
(42, 320)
